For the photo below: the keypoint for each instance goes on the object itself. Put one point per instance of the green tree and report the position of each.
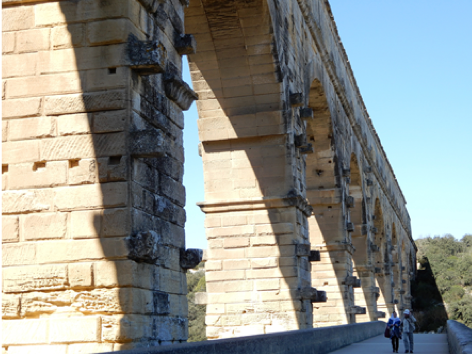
(196, 313)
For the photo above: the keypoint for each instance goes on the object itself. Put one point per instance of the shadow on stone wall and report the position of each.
(427, 303)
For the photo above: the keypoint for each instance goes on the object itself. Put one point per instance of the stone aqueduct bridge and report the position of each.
(306, 223)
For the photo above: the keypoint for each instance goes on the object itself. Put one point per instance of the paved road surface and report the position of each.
(424, 344)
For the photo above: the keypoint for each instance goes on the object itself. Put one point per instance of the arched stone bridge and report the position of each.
(306, 223)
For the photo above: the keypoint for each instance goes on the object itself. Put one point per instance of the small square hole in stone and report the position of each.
(73, 163)
(114, 160)
(111, 71)
(4, 169)
(38, 165)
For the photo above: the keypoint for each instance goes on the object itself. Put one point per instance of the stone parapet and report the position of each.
(309, 341)
(459, 338)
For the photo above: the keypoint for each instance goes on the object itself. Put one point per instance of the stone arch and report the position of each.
(327, 226)
(253, 197)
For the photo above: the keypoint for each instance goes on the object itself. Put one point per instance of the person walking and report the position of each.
(408, 325)
(395, 333)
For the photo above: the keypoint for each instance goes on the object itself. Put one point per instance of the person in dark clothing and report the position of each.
(395, 333)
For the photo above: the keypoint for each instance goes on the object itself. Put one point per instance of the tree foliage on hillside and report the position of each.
(450, 262)
(196, 313)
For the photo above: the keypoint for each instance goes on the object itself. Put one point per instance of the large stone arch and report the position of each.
(254, 205)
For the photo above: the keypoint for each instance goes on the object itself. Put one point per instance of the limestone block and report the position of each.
(78, 250)
(26, 201)
(71, 124)
(88, 102)
(13, 332)
(257, 263)
(111, 121)
(10, 306)
(29, 128)
(109, 195)
(84, 171)
(18, 254)
(17, 18)
(229, 286)
(116, 222)
(110, 31)
(33, 40)
(271, 251)
(28, 278)
(190, 258)
(80, 275)
(36, 303)
(72, 35)
(125, 328)
(213, 265)
(8, 42)
(16, 65)
(281, 272)
(75, 329)
(231, 264)
(107, 79)
(20, 108)
(55, 13)
(87, 348)
(86, 224)
(216, 254)
(82, 146)
(4, 125)
(236, 242)
(171, 328)
(113, 301)
(44, 226)
(38, 175)
(124, 273)
(263, 241)
(171, 281)
(18, 152)
(267, 284)
(10, 229)
(45, 85)
(38, 349)
(86, 58)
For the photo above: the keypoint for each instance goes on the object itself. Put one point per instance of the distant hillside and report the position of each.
(196, 313)
(443, 287)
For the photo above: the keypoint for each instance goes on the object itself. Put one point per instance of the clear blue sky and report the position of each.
(413, 64)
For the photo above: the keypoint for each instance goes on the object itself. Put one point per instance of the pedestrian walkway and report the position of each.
(424, 343)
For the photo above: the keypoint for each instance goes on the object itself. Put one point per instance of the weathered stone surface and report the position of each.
(29, 278)
(10, 306)
(147, 57)
(75, 330)
(13, 332)
(190, 258)
(144, 247)
(10, 229)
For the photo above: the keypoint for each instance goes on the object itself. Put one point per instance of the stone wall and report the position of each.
(93, 219)
(298, 190)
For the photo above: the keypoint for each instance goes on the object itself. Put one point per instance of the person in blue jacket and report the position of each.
(395, 333)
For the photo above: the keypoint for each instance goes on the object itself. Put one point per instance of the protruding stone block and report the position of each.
(350, 227)
(180, 92)
(306, 113)
(190, 258)
(144, 246)
(313, 295)
(352, 281)
(146, 57)
(350, 202)
(186, 44)
(308, 149)
(315, 256)
(296, 99)
(357, 310)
